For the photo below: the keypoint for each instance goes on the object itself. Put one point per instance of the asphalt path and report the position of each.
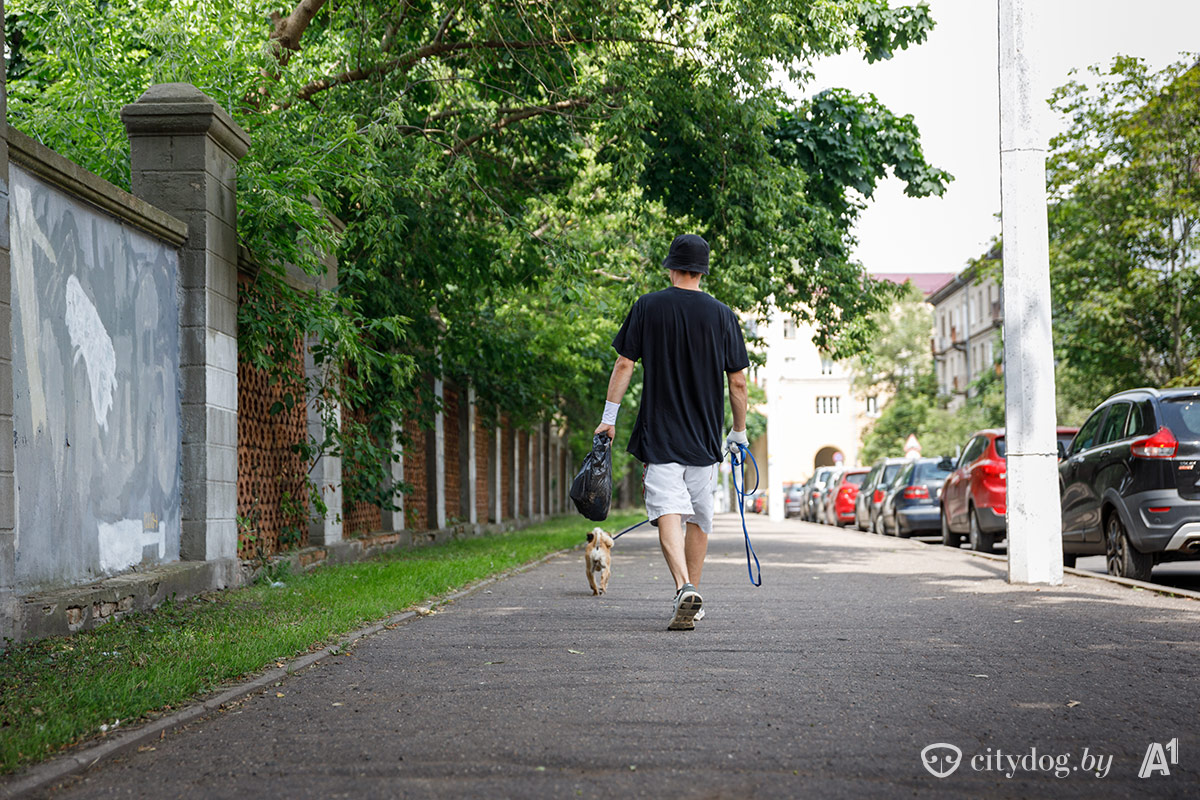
(829, 680)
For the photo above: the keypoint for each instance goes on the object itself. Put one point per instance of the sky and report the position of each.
(949, 85)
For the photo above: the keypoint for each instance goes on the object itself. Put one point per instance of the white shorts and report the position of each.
(681, 489)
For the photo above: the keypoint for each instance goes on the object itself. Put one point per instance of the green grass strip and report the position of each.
(60, 691)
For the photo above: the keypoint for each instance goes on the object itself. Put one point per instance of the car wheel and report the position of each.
(980, 541)
(949, 538)
(1124, 560)
(1069, 559)
(878, 526)
(896, 527)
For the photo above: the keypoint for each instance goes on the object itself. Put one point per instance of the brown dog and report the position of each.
(598, 559)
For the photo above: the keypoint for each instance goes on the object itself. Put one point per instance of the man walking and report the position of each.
(689, 343)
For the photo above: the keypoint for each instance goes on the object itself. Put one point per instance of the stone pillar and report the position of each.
(326, 472)
(184, 154)
(439, 455)
(516, 474)
(8, 543)
(533, 470)
(498, 496)
(555, 482)
(472, 469)
(394, 520)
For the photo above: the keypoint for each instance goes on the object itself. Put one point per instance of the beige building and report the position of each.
(816, 417)
(813, 413)
(967, 318)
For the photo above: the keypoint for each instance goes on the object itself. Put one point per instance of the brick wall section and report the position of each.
(359, 517)
(267, 467)
(506, 438)
(454, 481)
(523, 470)
(416, 504)
(484, 437)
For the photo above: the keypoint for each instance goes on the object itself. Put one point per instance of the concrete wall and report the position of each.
(96, 415)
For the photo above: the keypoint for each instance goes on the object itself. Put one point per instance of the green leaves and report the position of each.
(1124, 216)
(497, 181)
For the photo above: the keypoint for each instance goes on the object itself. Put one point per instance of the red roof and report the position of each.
(927, 282)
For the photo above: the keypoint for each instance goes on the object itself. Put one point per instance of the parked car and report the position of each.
(822, 501)
(1130, 482)
(911, 504)
(840, 508)
(815, 485)
(973, 496)
(870, 494)
(793, 500)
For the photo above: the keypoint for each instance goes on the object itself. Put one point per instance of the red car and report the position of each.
(843, 495)
(973, 496)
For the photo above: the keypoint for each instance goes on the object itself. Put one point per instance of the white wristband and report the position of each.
(610, 413)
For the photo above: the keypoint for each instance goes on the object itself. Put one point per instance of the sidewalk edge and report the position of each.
(55, 770)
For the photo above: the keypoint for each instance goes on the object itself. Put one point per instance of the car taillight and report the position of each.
(997, 468)
(916, 493)
(1160, 445)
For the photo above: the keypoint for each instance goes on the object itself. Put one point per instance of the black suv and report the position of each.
(1130, 482)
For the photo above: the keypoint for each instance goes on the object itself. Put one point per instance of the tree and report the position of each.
(508, 173)
(1125, 216)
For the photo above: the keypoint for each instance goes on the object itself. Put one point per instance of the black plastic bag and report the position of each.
(592, 488)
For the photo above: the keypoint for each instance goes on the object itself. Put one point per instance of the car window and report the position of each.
(1001, 447)
(1087, 434)
(903, 477)
(974, 448)
(856, 478)
(872, 476)
(1182, 416)
(932, 471)
(1114, 424)
(889, 472)
(1141, 420)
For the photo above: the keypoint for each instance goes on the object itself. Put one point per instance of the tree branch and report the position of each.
(517, 116)
(289, 29)
(441, 49)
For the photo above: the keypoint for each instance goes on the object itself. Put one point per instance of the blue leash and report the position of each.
(741, 496)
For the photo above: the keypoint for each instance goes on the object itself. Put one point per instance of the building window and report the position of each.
(873, 405)
(826, 365)
(829, 405)
(789, 328)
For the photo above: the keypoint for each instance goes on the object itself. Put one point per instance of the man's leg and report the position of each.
(671, 539)
(695, 548)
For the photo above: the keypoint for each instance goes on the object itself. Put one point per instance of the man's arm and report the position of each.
(739, 402)
(618, 382)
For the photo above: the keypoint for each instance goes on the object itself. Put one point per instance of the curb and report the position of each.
(50, 772)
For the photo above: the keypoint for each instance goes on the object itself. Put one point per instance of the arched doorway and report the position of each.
(829, 457)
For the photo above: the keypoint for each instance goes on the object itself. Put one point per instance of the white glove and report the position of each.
(734, 439)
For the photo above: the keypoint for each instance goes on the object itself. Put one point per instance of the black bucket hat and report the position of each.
(689, 253)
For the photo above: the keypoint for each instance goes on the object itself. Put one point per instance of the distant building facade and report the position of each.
(968, 315)
(819, 417)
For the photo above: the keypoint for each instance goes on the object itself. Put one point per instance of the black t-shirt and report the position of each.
(686, 340)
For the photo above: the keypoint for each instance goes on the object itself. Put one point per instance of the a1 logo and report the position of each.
(1157, 758)
(941, 759)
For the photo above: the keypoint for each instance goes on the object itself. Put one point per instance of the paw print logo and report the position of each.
(941, 759)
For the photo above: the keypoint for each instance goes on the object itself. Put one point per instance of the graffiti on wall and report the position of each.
(96, 390)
